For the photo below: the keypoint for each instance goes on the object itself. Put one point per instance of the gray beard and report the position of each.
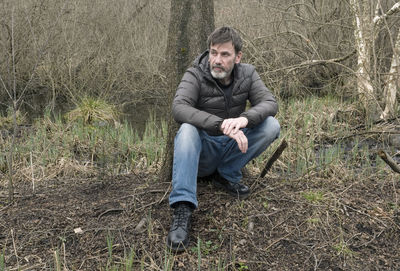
(219, 75)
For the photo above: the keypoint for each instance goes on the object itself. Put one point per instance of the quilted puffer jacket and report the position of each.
(201, 102)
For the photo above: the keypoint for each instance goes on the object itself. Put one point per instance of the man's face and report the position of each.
(222, 60)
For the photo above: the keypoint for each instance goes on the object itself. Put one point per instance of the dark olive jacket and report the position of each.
(201, 102)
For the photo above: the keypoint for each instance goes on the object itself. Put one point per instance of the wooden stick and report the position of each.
(389, 160)
(274, 157)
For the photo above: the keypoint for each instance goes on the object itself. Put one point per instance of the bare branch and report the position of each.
(13, 58)
(302, 4)
(40, 54)
(389, 160)
(323, 61)
(379, 19)
(274, 157)
(299, 66)
(137, 11)
(5, 87)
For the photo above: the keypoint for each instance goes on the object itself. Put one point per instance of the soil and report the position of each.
(322, 222)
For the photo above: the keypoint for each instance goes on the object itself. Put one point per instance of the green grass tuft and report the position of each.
(93, 110)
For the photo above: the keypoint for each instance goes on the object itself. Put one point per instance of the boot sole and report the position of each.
(180, 248)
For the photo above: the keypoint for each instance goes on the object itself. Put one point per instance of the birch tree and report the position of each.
(393, 78)
(366, 26)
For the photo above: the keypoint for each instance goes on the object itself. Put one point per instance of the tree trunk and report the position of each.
(363, 26)
(190, 24)
(393, 82)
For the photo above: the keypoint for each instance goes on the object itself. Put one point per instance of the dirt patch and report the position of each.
(322, 223)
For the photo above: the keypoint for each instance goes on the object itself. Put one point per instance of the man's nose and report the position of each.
(217, 59)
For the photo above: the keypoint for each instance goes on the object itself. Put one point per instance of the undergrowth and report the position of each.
(53, 147)
(321, 138)
(323, 148)
(319, 132)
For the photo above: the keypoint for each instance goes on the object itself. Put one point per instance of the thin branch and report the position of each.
(274, 157)
(15, 127)
(15, 248)
(137, 12)
(332, 60)
(389, 161)
(1, 78)
(5, 87)
(308, 42)
(40, 54)
(13, 59)
(379, 19)
(299, 66)
(323, 61)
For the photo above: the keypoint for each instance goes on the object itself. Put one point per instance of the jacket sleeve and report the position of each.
(184, 105)
(263, 103)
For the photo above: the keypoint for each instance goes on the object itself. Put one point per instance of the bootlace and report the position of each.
(181, 216)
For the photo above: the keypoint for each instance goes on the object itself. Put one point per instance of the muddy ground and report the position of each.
(324, 222)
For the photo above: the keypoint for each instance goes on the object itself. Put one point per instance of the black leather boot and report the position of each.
(178, 236)
(238, 190)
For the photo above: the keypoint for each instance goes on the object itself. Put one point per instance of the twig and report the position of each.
(32, 267)
(280, 239)
(365, 214)
(33, 176)
(389, 160)
(110, 211)
(323, 61)
(379, 19)
(15, 247)
(274, 157)
(148, 205)
(142, 193)
(163, 197)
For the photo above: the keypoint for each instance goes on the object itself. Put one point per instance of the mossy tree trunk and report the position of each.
(190, 24)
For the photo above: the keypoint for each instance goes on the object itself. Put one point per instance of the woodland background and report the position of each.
(85, 134)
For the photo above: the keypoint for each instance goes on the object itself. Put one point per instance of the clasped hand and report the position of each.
(231, 128)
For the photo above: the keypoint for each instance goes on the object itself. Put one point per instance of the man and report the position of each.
(217, 136)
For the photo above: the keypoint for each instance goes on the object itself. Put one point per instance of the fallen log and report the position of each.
(274, 157)
(389, 160)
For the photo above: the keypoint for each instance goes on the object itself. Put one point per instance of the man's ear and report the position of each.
(238, 57)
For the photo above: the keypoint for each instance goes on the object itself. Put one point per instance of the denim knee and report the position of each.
(271, 128)
(187, 132)
(274, 126)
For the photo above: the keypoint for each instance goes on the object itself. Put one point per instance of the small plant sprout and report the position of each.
(313, 220)
(343, 249)
(313, 197)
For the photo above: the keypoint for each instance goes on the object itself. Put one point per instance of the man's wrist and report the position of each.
(246, 120)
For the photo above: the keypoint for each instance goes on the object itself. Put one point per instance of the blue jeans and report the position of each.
(197, 154)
